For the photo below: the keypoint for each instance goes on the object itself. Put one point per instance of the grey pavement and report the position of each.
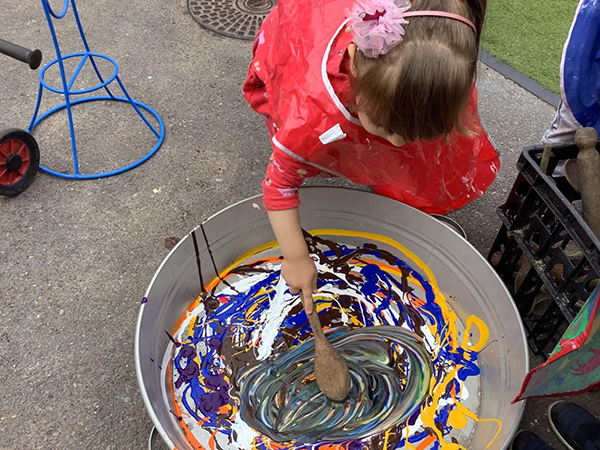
(76, 256)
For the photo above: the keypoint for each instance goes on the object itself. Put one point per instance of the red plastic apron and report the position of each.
(296, 59)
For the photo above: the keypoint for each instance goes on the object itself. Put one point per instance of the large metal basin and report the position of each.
(460, 271)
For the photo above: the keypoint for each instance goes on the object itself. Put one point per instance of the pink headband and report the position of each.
(377, 24)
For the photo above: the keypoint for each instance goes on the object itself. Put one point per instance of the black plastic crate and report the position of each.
(545, 252)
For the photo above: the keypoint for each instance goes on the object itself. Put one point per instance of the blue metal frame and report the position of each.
(68, 93)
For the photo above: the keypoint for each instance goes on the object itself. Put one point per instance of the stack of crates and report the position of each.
(545, 253)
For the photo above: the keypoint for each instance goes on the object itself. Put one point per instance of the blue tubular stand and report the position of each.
(68, 93)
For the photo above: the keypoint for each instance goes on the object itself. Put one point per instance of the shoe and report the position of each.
(526, 440)
(574, 426)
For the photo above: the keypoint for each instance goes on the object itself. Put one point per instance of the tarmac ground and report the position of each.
(77, 256)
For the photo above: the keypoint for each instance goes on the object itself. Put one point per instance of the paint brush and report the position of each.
(583, 173)
(331, 371)
(588, 172)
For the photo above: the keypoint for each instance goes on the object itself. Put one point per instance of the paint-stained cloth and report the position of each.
(574, 365)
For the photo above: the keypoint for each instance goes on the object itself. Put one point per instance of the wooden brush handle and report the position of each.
(331, 371)
(588, 167)
(315, 324)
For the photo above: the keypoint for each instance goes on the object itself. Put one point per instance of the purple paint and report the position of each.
(216, 383)
(176, 416)
(214, 343)
(177, 344)
(187, 351)
(144, 300)
(210, 403)
(187, 374)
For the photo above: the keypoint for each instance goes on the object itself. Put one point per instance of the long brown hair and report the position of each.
(420, 88)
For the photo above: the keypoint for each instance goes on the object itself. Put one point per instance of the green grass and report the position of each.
(529, 35)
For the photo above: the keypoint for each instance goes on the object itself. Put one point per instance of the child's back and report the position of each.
(339, 100)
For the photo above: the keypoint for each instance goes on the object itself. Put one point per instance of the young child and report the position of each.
(375, 91)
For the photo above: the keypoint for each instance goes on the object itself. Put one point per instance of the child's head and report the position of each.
(419, 88)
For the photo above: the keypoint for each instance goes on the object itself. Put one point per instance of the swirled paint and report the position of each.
(241, 356)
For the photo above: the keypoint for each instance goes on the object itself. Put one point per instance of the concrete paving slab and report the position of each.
(77, 256)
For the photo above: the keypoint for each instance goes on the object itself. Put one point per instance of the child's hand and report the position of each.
(301, 276)
(298, 270)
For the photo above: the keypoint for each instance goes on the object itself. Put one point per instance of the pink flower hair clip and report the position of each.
(378, 24)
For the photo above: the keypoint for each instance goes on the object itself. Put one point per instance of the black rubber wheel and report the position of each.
(19, 160)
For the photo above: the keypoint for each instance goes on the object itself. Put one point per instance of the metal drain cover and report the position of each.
(239, 19)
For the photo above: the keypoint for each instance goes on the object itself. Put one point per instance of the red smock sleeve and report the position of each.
(284, 177)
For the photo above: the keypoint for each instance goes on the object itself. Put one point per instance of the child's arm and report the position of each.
(280, 194)
(298, 269)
